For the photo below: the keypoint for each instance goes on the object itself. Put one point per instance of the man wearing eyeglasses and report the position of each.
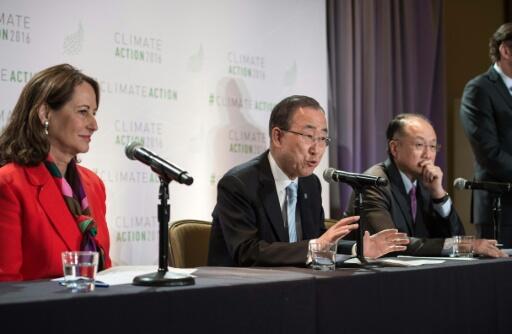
(415, 201)
(270, 208)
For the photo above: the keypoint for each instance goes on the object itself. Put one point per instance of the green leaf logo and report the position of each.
(73, 42)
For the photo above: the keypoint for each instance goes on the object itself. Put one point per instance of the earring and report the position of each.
(46, 124)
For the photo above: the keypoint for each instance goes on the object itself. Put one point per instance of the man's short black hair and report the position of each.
(396, 126)
(283, 112)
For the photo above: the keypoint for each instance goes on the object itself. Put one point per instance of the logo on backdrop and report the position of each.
(4, 115)
(16, 76)
(149, 134)
(144, 91)
(74, 41)
(135, 228)
(137, 48)
(15, 28)
(246, 65)
(195, 61)
(290, 75)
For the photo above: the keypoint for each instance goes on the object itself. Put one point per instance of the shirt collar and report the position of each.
(407, 182)
(506, 80)
(281, 179)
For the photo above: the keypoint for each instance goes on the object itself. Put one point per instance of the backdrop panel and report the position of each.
(194, 81)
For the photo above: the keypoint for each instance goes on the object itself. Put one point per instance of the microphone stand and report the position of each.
(358, 208)
(496, 216)
(161, 278)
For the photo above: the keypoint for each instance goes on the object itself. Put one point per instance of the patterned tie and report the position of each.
(291, 202)
(414, 204)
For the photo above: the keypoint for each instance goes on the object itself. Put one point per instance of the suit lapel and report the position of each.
(495, 78)
(401, 198)
(268, 196)
(423, 197)
(305, 212)
(52, 204)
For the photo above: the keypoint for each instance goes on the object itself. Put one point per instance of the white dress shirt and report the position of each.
(281, 180)
(507, 80)
(443, 209)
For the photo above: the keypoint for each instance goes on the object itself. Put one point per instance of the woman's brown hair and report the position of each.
(23, 139)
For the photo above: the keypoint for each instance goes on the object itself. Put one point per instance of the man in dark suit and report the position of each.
(414, 201)
(260, 220)
(486, 115)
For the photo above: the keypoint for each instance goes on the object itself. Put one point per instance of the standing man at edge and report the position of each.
(486, 115)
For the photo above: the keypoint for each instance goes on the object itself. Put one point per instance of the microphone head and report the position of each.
(328, 173)
(188, 180)
(381, 182)
(459, 183)
(130, 149)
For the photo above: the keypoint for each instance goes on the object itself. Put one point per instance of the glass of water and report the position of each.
(323, 255)
(463, 246)
(80, 270)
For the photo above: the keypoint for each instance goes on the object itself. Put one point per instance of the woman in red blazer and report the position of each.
(49, 204)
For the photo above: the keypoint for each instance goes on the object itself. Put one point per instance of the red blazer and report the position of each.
(36, 225)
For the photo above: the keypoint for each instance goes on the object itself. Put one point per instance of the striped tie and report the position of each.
(291, 203)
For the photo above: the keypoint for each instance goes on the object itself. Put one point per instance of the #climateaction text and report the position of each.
(160, 93)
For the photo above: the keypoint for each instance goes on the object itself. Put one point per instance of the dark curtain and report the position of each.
(508, 10)
(385, 58)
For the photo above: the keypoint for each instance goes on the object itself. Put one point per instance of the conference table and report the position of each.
(452, 297)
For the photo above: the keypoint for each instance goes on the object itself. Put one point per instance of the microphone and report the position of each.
(353, 179)
(496, 187)
(165, 169)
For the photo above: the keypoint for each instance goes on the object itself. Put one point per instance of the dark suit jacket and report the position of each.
(389, 207)
(486, 115)
(36, 225)
(248, 228)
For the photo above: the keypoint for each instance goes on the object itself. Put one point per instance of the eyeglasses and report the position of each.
(420, 146)
(310, 139)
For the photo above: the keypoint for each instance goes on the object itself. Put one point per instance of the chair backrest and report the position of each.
(329, 222)
(188, 243)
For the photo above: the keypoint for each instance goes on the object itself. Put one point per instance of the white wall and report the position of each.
(194, 80)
